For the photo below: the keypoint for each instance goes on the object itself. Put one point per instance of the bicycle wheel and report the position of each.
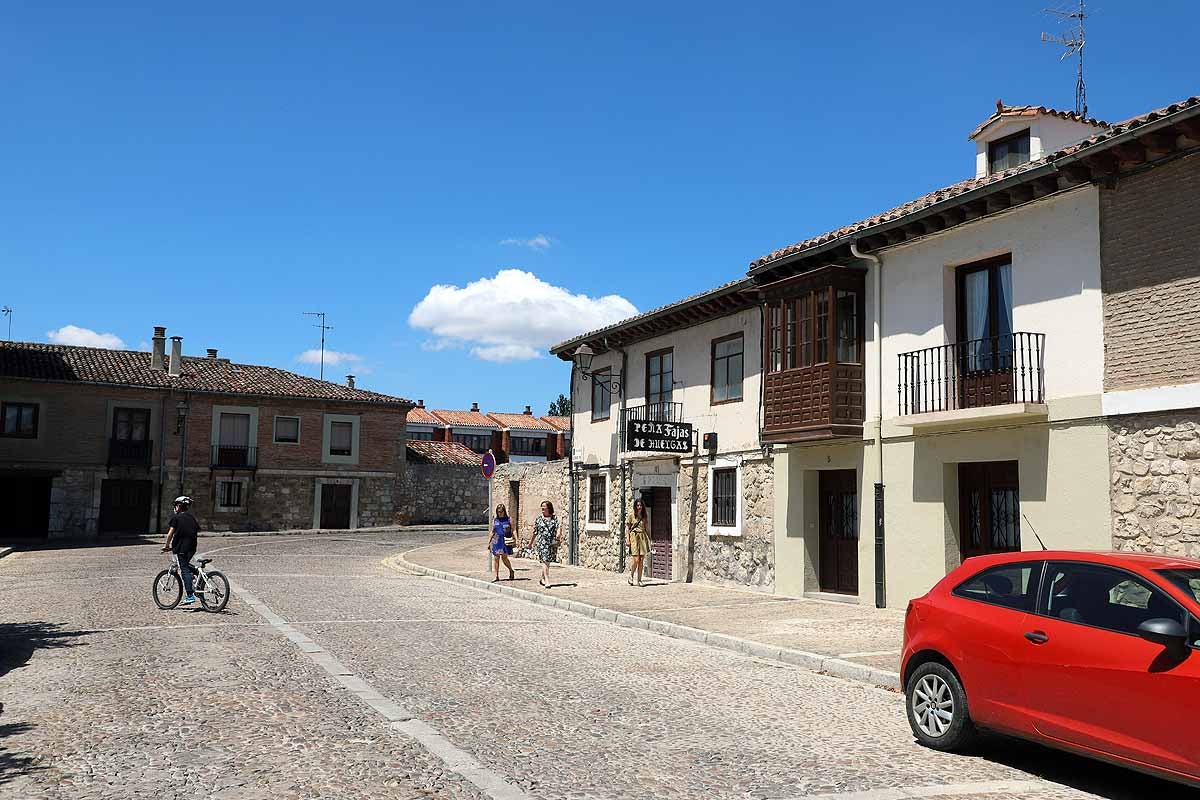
(215, 594)
(168, 589)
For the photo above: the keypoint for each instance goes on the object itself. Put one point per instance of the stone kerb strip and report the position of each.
(400, 719)
(829, 665)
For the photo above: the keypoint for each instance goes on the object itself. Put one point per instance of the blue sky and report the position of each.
(220, 171)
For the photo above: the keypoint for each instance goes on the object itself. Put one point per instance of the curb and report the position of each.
(344, 531)
(826, 665)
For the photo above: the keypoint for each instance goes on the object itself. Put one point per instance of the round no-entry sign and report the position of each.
(488, 465)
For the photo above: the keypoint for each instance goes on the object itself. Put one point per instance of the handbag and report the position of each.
(510, 541)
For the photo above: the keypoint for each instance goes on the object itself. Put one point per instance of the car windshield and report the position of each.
(1186, 579)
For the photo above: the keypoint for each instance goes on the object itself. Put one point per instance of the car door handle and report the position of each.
(1037, 637)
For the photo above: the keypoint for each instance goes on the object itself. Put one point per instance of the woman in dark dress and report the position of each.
(544, 540)
(502, 542)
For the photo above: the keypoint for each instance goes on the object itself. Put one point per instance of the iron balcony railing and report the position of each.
(651, 412)
(129, 452)
(233, 457)
(976, 373)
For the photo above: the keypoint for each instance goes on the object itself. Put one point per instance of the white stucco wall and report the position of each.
(1047, 134)
(736, 424)
(1055, 247)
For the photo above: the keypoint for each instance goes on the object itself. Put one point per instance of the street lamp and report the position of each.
(583, 356)
(181, 412)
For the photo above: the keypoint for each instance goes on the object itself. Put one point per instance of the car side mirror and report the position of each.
(1167, 632)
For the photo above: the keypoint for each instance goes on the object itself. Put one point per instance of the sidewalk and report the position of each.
(851, 641)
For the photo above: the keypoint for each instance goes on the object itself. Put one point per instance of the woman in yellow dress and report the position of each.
(637, 539)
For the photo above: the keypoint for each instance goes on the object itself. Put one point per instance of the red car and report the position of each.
(1096, 653)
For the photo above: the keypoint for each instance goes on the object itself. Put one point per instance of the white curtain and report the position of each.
(235, 430)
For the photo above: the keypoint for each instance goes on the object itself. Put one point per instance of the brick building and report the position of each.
(510, 437)
(98, 442)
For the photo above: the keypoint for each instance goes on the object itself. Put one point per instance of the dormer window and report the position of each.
(1011, 151)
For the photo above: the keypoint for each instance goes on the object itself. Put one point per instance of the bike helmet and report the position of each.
(183, 500)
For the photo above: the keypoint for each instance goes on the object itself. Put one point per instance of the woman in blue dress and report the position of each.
(502, 542)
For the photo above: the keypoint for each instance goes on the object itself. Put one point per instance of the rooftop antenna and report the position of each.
(7, 311)
(1073, 40)
(323, 327)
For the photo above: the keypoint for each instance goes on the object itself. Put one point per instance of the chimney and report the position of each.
(420, 404)
(212, 354)
(159, 350)
(350, 381)
(528, 411)
(475, 407)
(176, 367)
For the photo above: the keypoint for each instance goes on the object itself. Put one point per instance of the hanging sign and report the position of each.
(645, 436)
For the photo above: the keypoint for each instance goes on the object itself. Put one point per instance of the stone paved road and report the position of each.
(94, 679)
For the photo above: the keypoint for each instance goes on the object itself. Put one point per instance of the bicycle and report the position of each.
(211, 586)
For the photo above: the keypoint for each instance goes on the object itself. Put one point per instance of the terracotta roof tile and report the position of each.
(475, 419)
(1007, 112)
(53, 362)
(559, 423)
(937, 196)
(441, 453)
(422, 416)
(521, 421)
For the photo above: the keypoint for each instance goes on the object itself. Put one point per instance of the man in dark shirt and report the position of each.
(182, 530)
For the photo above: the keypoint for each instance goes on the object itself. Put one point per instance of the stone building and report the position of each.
(442, 485)
(1150, 254)
(98, 442)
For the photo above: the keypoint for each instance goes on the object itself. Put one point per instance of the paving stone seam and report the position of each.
(488, 781)
(816, 662)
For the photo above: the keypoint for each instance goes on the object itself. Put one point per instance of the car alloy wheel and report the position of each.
(937, 708)
(933, 705)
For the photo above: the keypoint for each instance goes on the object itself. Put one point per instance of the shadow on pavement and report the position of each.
(12, 765)
(19, 641)
(23, 545)
(1083, 774)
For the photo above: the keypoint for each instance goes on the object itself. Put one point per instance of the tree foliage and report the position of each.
(560, 407)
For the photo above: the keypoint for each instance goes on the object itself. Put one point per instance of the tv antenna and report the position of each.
(1073, 40)
(7, 311)
(323, 327)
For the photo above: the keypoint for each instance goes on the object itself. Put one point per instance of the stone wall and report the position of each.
(450, 494)
(599, 548)
(745, 561)
(1155, 462)
(523, 486)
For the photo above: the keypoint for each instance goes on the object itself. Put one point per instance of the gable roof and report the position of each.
(521, 421)
(474, 419)
(421, 416)
(441, 453)
(950, 194)
(558, 423)
(1008, 112)
(93, 365)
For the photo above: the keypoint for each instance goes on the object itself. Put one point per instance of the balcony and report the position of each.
(129, 452)
(232, 457)
(997, 378)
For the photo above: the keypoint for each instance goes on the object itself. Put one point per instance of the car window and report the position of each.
(1103, 597)
(1186, 579)
(1194, 632)
(1010, 585)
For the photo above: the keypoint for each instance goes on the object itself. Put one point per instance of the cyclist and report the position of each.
(182, 530)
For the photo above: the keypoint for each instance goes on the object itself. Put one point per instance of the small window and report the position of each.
(420, 436)
(229, 494)
(789, 336)
(1104, 597)
(479, 442)
(660, 377)
(724, 498)
(20, 420)
(341, 438)
(822, 354)
(597, 499)
(727, 368)
(806, 331)
(1010, 585)
(287, 430)
(1011, 151)
(527, 446)
(601, 396)
(131, 424)
(847, 327)
(775, 336)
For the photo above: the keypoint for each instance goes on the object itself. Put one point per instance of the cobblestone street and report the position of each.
(105, 696)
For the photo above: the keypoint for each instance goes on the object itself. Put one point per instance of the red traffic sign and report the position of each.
(488, 465)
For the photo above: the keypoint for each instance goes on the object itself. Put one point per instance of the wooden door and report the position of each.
(125, 506)
(335, 506)
(658, 503)
(989, 508)
(838, 521)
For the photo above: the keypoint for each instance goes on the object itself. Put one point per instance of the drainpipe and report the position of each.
(621, 461)
(162, 458)
(183, 443)
(571, 500)
(877, 425)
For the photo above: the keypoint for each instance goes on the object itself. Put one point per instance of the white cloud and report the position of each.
(84, 337)
(513, 316)
(438, 345)
(335, 358)
(539, 242)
